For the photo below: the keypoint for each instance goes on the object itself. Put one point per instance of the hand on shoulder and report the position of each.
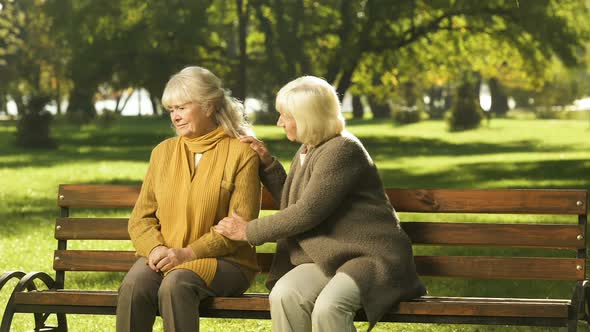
(260, 148)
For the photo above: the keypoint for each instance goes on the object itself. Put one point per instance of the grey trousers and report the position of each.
(144, 293)
(305, 298)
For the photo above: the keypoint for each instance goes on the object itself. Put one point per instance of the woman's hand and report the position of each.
(163, 259)
(259, 147)
(155, 256)
(233, 228)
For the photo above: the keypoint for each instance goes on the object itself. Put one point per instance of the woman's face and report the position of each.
(190, 120)
(288, 124)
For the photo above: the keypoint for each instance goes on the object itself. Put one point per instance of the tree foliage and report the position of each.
(376, 48)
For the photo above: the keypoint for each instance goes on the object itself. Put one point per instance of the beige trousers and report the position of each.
(305, 297)
(144, 293)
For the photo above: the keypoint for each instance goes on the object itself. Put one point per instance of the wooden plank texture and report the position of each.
(439, 266)
(519, 201)
(431, 233)
(504, 235)
(97, 196)
(427, 305)
(93, 260)
(114, 261)
(91, 229)
(117, 196)
(529, 268)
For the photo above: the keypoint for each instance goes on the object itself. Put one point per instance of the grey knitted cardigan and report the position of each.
(335, 213)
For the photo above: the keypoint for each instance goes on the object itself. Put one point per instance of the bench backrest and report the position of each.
(552, 235)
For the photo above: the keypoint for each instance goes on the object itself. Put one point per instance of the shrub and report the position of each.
(407, 115)
(466, 113)
(107, 118)
(33, 130)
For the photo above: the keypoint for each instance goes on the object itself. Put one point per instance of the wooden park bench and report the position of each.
(541, 237)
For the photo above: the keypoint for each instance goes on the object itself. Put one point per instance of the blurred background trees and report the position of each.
(406, 59)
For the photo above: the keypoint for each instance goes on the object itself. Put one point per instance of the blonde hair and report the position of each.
(314, 105)
(200, 86)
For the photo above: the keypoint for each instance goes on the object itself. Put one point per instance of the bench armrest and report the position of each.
(7, 276)
(27, 281)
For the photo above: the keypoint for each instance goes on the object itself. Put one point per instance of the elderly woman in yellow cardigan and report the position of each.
(193, 180)
(340, 246)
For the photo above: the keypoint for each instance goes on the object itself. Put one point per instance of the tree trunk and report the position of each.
(117, 103)
(58, 97)
(3, 107)
(357, 108)
(81, 107)
(499, 98)
(243, 14)
(139, 103)
(119, 111)
(155, 105)
(345, 80)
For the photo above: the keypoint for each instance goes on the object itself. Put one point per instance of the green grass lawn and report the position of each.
(507, 154)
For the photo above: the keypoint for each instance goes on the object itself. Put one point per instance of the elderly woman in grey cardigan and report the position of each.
(340, 247)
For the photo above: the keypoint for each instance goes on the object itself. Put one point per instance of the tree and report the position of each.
(466, 113)
(29, 68)
(352, 42)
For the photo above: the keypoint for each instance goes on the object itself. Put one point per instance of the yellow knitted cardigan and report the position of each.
(174, 207)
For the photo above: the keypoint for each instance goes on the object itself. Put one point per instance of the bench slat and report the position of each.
(432, 233)
(504, 235)
(93, 260)
(526, 268)
(117, 196)
(517, 201)
(439, 266)
(97, 196)
(91, 229)
(115, 261)
(427, 305)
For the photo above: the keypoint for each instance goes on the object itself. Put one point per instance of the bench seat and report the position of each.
(531, 250)
(246, 306)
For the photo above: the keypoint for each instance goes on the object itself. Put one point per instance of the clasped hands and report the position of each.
(162, 258)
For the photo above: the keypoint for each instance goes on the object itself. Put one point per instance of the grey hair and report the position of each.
(314, 105)
(199, 85)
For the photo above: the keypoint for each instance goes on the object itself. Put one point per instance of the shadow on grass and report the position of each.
(571, 174)
(99, 145)
(133, 140)
(21, 216)
(129, 140)
(387, 148)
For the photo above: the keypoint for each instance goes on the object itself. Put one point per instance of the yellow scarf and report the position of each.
(196, 197)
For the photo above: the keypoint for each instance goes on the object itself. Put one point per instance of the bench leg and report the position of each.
(572, 326)
(7, 317)
(41, 318)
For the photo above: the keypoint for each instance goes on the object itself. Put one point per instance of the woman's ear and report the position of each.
(209, 110)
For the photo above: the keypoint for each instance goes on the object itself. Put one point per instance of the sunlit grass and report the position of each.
(507, 154)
